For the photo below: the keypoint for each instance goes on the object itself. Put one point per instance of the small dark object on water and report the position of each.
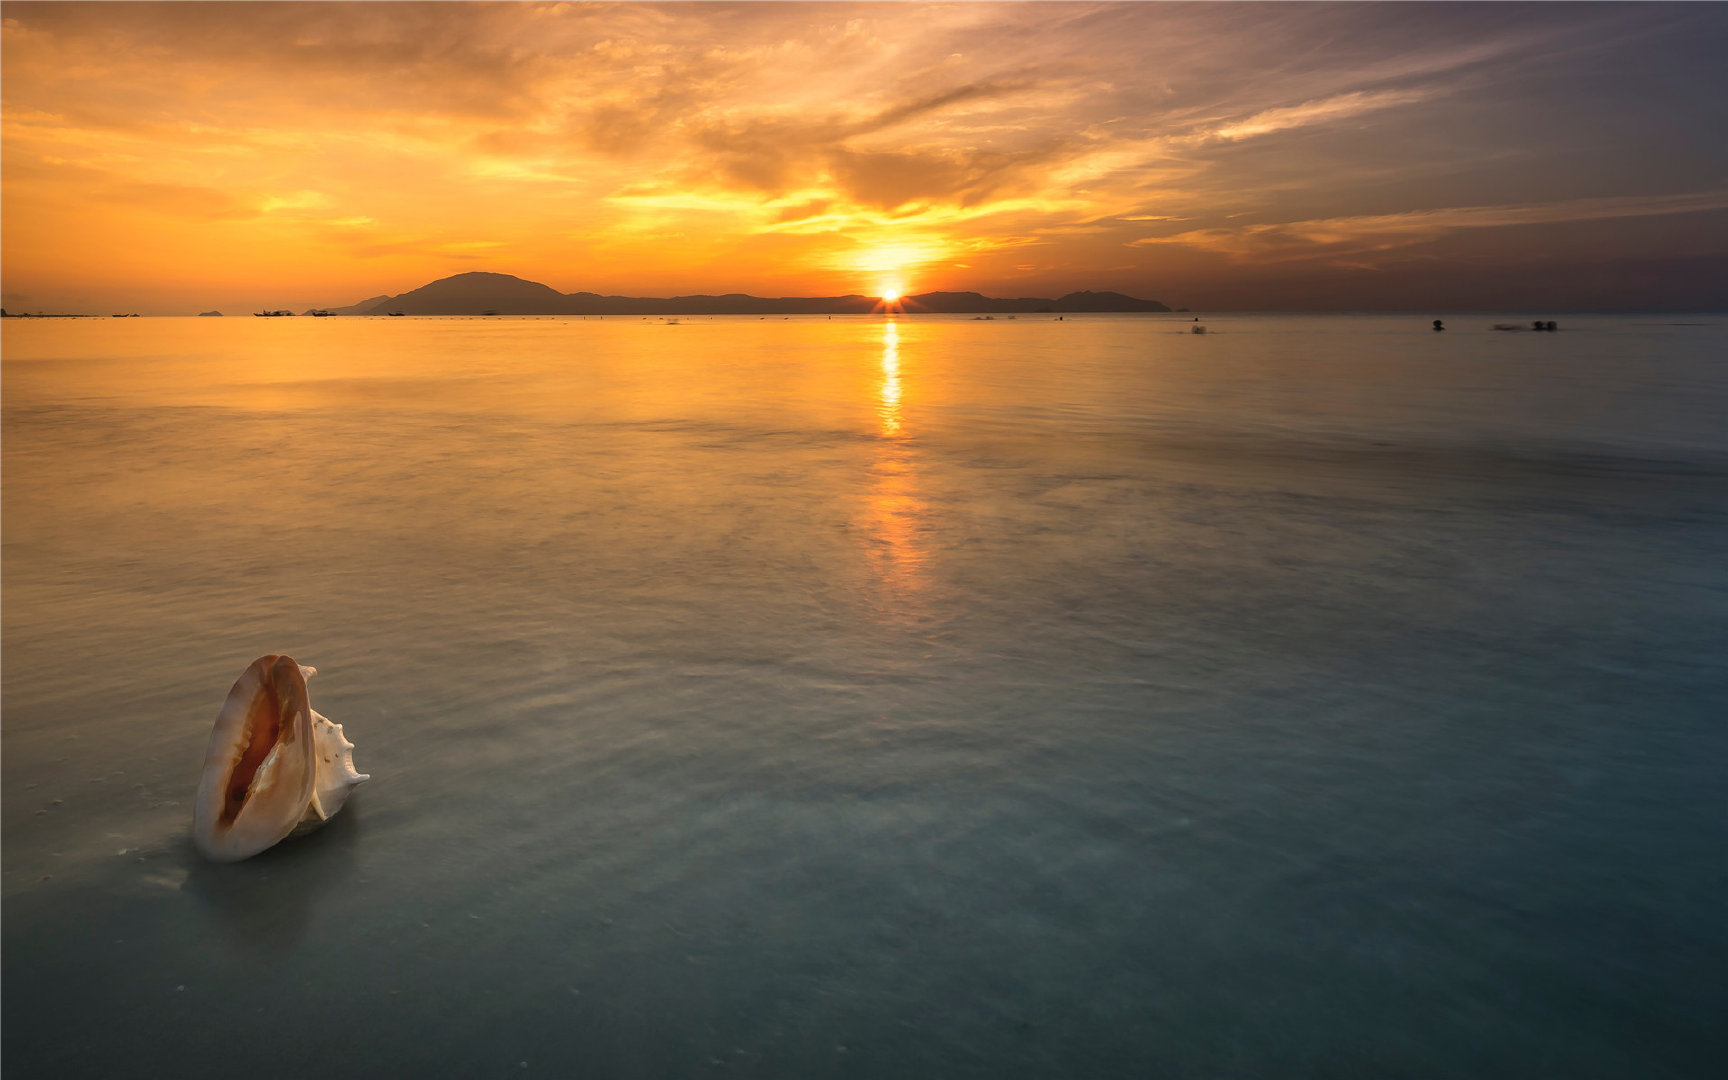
(1438, 325)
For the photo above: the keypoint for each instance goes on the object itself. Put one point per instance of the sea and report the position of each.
(876, 696)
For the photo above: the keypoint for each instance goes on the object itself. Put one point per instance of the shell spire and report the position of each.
(336, 774)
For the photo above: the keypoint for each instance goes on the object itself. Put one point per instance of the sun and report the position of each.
(889, 297)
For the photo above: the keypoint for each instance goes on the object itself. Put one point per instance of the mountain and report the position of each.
(474, 293)
(587, 303)
(356, 309)
(480, 293)
(1105, 301)
(958, 302)
(970, 302)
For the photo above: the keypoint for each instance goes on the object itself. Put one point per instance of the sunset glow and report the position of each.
(170, 157)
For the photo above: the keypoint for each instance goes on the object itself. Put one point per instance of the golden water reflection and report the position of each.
(889, 407)
(897, 519)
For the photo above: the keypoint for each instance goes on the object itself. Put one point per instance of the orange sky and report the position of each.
(172, 158)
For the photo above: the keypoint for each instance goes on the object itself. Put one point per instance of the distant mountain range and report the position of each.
(481, 293)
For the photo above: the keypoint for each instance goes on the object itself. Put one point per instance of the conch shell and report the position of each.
(274, 767)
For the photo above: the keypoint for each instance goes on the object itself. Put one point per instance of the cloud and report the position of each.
(77, 184)
(361, 247)
(1383, 232)
(294, 203)
(888, 181)
(991, 92)
(1311, 113)
(185, 201)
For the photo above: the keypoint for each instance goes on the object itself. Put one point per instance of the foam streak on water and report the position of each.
(1317, 696)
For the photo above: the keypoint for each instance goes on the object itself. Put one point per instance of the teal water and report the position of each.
(1320, 696)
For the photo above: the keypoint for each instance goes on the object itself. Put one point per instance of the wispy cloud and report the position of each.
(1382, 232)
(1311, 113)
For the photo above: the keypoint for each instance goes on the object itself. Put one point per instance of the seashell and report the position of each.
(274, 768)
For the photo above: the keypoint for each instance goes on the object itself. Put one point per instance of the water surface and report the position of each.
(854, 697)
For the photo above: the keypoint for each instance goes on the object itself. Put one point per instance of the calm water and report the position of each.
(798, 698)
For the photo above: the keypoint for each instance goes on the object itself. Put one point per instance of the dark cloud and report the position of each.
(773, 155)
(935, 103)
(889, 180)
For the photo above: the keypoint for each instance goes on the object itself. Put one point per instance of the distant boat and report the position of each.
(271, 314)
(393, 313)
(316, 314)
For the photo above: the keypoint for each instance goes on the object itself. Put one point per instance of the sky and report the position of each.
(172, 158)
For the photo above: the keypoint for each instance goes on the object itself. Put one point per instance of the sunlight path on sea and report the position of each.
(897, 529)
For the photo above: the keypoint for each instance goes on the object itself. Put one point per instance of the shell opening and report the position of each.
(269, 727)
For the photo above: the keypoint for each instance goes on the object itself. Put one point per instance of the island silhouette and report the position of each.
(486, 293)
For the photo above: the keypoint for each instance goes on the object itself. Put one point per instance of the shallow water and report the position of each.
(1318, 696)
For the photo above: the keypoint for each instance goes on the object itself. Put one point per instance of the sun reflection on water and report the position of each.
(888, 407)
(897, 517)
